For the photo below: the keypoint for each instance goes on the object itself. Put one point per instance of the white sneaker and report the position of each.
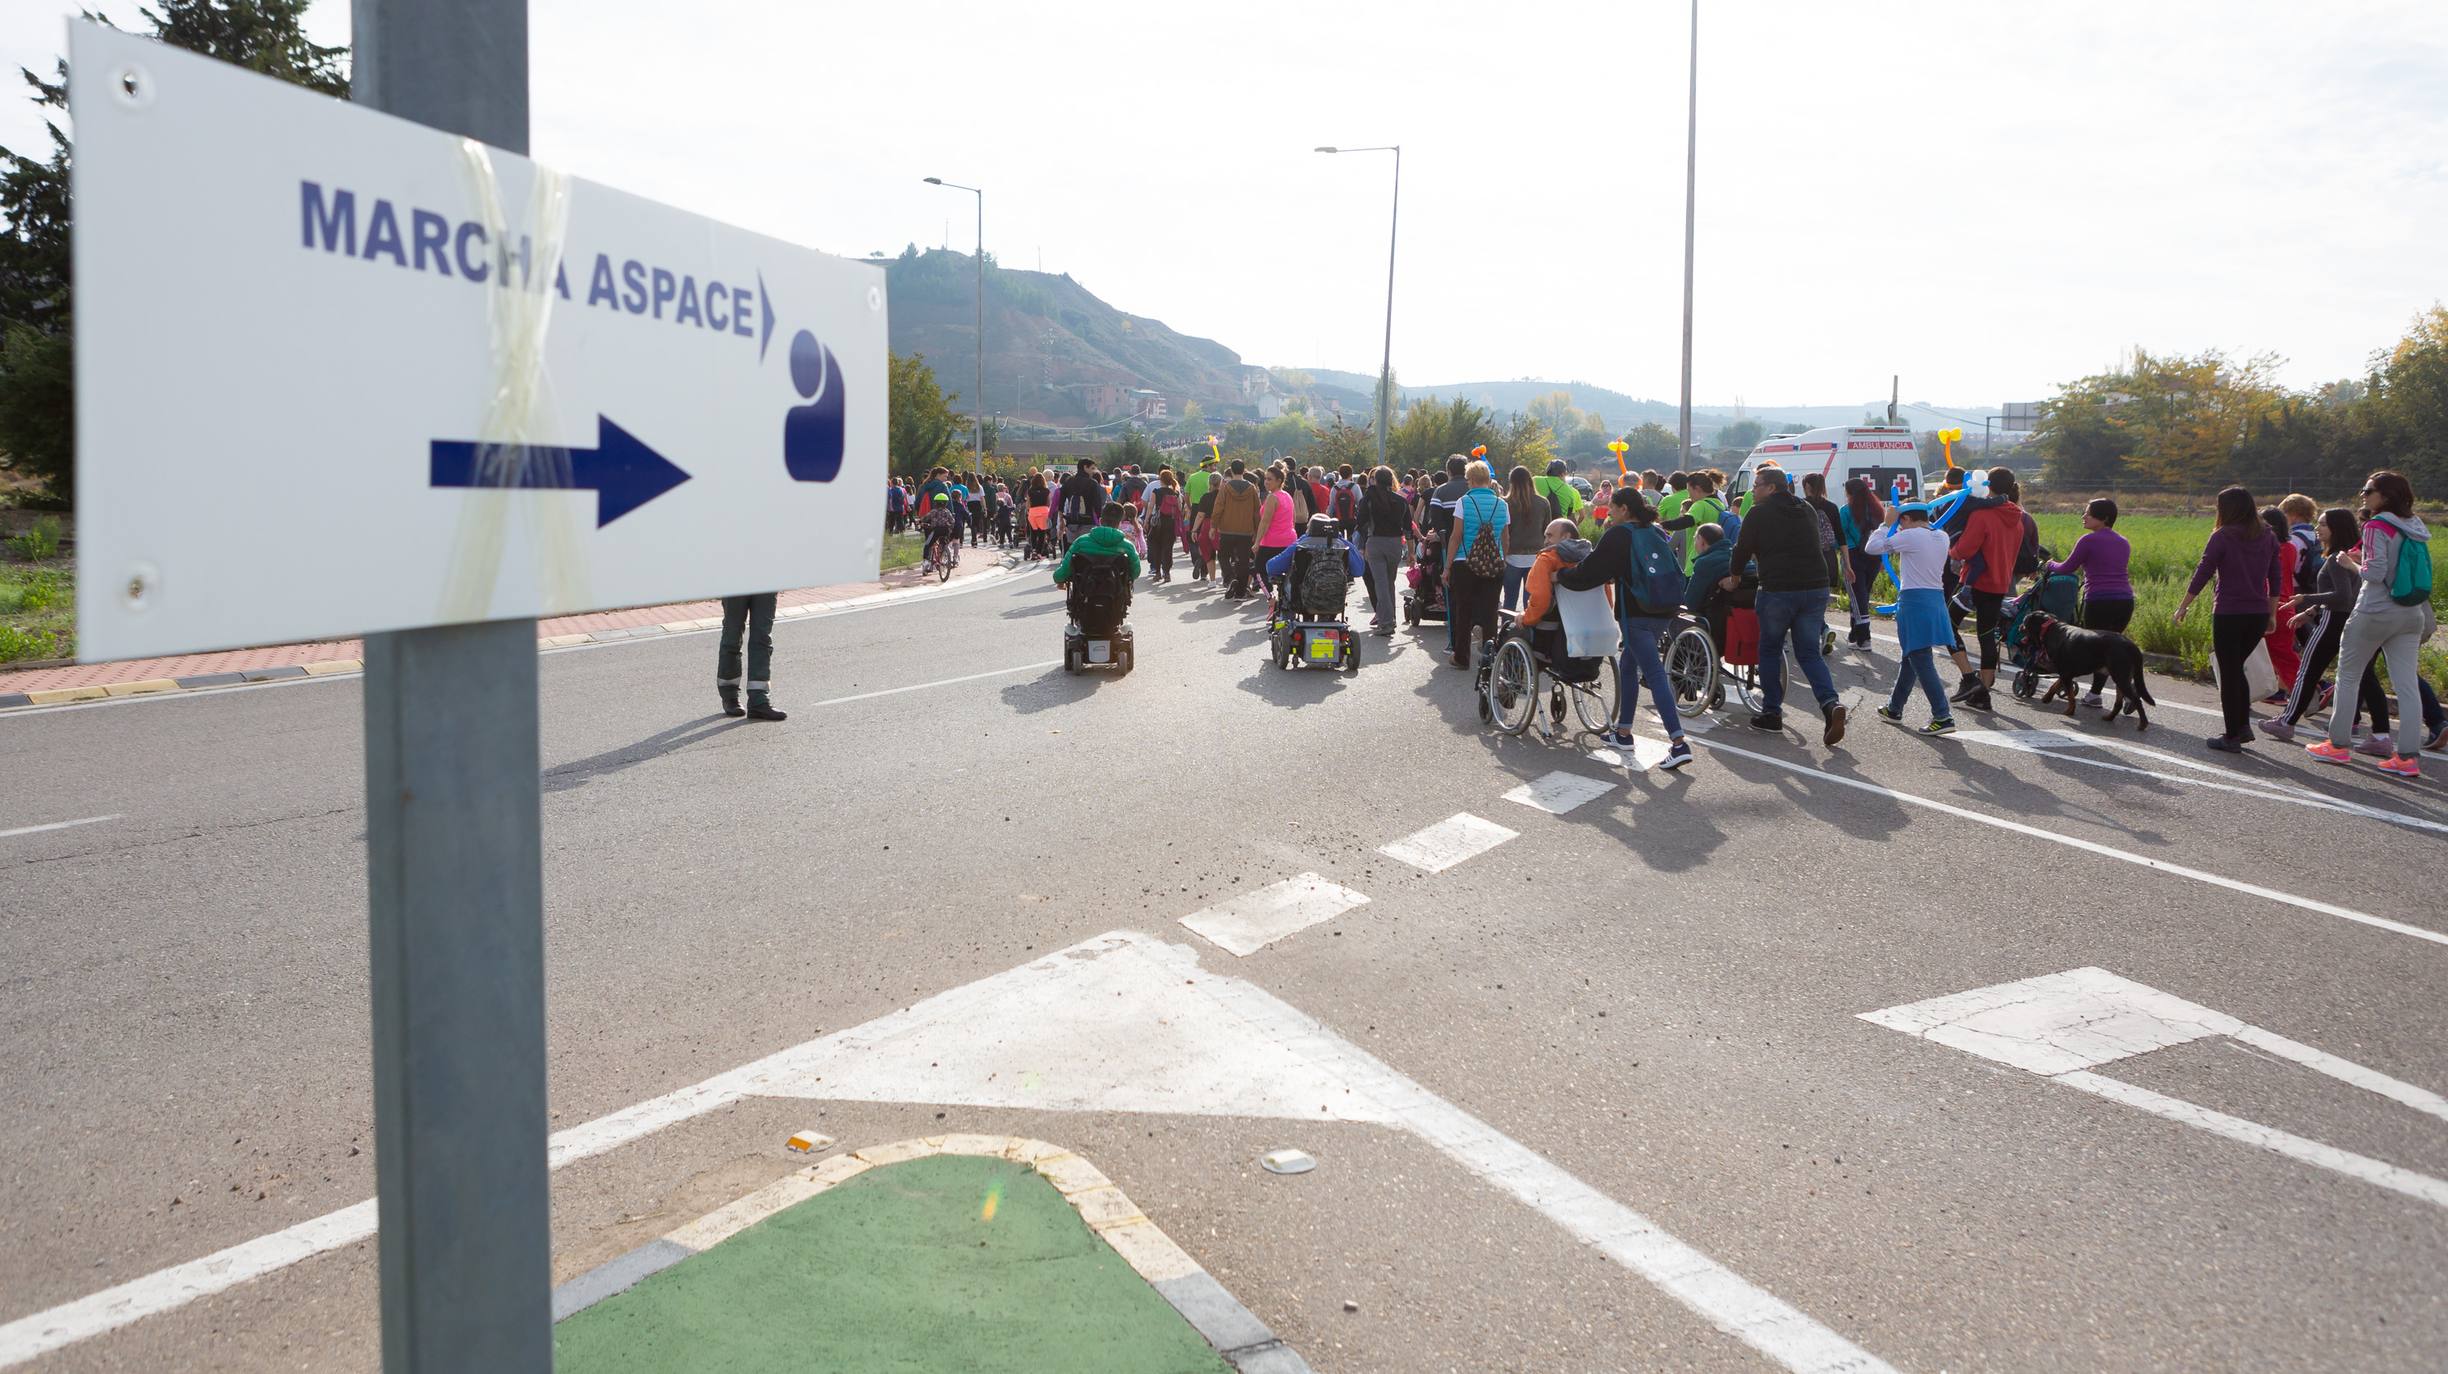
(2094, 700)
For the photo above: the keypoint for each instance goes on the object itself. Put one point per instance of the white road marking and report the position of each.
(1252, 921)
(2062, 744)
(2063, 1025)
(2006, 675)
(1120, 1023)
(2379, 1173)
(1448, 842)
(2092, 847)
(874, 602)
(939, 682)
(1560, 791)
(1647, 753)
(55, 825)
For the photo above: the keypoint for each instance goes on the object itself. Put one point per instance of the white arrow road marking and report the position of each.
(2063, 1025)
(1120, 1023)
(2061, 744)
(55, 825)
(1448, 842)
(1252, 921)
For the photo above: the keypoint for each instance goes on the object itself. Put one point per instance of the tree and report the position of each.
(1132, 447)
(2408, 403)
(994, 433)
(37, 314)
(1742, 434)
(1339, 443)
(920, 425)
(1428, 433)
(1653, 446)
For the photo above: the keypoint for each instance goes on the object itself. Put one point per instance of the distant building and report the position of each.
(1104, 399)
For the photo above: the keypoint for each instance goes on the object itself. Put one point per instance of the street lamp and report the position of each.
(977, 407)
(1385, 373)
(1691, 183)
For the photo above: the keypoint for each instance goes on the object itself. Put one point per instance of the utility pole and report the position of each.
(454, 857)
(1385, 369)
(977, 407)
(1691, 186)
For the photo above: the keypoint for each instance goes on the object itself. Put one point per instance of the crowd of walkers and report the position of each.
(2298, 590)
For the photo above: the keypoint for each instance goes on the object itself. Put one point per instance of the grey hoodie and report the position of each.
(2380, 536)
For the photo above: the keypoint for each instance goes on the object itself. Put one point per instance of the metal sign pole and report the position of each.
(454, 858)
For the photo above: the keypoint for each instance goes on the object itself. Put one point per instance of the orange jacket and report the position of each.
(1538, 587)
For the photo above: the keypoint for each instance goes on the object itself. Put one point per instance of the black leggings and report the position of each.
(1160, 546)
(2107, 617)
(1988, 612)
(2233, 636)
(2317, 659)
(1864, 569)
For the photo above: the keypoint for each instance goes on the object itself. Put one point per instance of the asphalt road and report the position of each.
(1649, 1007)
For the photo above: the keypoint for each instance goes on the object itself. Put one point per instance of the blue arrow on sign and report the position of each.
(621, 470)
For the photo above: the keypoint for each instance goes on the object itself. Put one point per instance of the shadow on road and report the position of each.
(654, 746)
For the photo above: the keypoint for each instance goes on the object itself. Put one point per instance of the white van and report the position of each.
(1881, 453)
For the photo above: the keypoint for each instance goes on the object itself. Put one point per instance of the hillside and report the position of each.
(1058, 355)
(1055, 354)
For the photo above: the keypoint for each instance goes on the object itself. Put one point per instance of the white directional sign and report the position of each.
(338, 373)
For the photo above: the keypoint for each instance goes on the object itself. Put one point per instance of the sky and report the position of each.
(1987, 199)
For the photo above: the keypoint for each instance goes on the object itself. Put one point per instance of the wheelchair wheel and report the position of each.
(1691, 666)
(1070, 660)
(2026, 683)
(1351, 654)
(1748, 688)
(1512, 687)
(1596, 702)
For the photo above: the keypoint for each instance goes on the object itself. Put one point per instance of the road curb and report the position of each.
(1007, 567)
(1235, 1332)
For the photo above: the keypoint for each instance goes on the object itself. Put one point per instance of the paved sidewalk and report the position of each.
(960, 1254)
(140, 676)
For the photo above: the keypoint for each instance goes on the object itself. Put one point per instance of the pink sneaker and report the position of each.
(2328, 753)
(2402, 768)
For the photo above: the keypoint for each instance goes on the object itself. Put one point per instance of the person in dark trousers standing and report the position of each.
(1860, 517)
(1790, 541)
(751, 617)
(2245, 559)
(1814, 494)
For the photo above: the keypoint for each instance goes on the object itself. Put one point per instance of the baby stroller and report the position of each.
(1307, 623)
(1426, 598)
(2055, 594)
(1099, 632)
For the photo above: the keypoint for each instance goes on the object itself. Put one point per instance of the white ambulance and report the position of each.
(1884, 454)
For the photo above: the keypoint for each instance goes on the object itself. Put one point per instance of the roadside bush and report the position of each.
(16, 644)
(39, 541)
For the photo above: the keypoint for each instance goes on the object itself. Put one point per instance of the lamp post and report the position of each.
(1691, 183)
(1385, 371)
(977, 406)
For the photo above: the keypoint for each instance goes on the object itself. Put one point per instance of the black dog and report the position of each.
(2072, 652)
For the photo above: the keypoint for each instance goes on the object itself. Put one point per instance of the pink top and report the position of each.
(1275, 522)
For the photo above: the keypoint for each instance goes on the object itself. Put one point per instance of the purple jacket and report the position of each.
(2250, 573)
(2102, 556)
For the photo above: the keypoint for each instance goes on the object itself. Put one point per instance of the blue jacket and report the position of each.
(1282, 563)
(1711, 567)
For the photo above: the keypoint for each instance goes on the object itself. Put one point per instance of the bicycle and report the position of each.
(942, 555)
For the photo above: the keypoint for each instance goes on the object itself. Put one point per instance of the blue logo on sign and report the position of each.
(812, 434)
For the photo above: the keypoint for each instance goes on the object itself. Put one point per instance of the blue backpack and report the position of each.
(1730, 520)
(1657, 575)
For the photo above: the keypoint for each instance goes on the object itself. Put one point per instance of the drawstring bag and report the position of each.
(1485, 558)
